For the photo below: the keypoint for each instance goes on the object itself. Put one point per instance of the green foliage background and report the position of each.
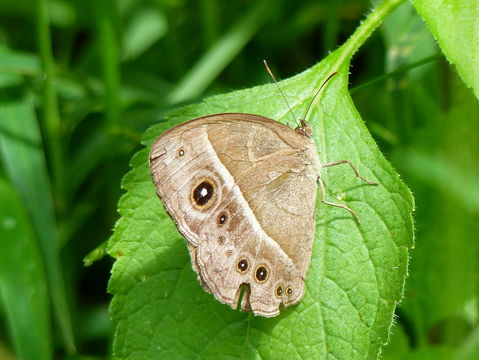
(80, 82)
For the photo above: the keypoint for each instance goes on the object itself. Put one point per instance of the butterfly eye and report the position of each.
(279, 290)
(261, 273)
(203, 193)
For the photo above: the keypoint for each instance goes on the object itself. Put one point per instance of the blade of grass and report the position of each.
(23, 157)
(15, 62)
(23, 285)
(215, 60)
(210, 21)
(105, 11)
(146, 27)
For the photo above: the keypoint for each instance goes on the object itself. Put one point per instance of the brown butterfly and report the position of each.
(241, 188)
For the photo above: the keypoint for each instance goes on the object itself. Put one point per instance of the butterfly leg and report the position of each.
(334, 163)
(323, 200)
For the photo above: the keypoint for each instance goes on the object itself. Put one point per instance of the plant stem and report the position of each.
(51, 117)
(52, 131)
(110, 54)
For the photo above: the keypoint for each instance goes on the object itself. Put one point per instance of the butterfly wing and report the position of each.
(242, 189)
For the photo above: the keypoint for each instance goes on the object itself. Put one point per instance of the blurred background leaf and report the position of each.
(23, 284)
(114, 67)
(453, 24)
(25, 165)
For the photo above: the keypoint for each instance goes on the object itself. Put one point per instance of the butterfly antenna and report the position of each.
(281, 91)
(317, 92)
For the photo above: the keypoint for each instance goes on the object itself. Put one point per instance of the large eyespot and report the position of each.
(261, 273)
(243, 265)
(289, 291)
(203, 193)
(222, 218)
(279, 290)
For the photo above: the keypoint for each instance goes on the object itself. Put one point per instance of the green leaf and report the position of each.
(453, 24)
(357, 273)
(23, 285)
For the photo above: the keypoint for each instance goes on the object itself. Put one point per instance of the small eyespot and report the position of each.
(222, 218)
(279, 290)
(261, 273)
(243, 265)
(221, 240)
(229, 253)
(203, 193)
(181, 152)
(289, 291)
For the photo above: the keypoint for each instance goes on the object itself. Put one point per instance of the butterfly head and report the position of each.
(304, 128)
